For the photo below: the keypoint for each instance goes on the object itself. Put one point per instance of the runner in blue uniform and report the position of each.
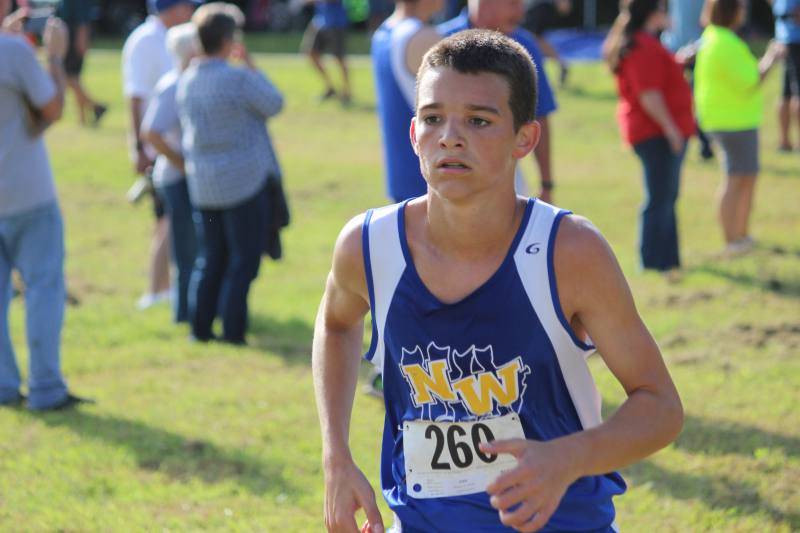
(485, 306)
(505, 16)
(397, 49)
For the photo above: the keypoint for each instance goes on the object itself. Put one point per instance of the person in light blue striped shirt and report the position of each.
(229, 159)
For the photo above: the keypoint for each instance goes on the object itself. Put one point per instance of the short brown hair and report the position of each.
(478, 51)
(723, 12)
(217, 23)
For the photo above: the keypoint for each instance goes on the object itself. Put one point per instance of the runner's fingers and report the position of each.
(535, 523)
(366, 498)
(342, 523)
(510, 497)
(519, 515)
(508, 480)
(513, 446)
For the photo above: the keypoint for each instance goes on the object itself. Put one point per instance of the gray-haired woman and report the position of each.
(229, 159)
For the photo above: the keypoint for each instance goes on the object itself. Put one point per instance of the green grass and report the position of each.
(188, 437)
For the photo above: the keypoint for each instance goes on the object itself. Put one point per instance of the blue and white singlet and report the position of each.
(501, 362)
(395, 89)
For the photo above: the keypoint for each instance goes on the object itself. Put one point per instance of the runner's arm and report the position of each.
(335, 362)
(596, 299)
(599, 300)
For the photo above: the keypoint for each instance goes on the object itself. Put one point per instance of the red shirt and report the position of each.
(649, 66)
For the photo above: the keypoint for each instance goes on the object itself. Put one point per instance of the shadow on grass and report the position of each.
(721, 437)
(716, 437)
(723, 492)
(176, 456)
(710, 437)
(290, 339)
(767, 283)
(780, 172)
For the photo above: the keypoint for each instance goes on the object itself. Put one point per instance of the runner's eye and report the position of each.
(431, 119)
(477, 121)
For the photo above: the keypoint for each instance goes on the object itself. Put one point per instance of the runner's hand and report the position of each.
(346, 491)
(527, 496)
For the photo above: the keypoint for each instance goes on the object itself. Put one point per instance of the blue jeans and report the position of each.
(229, 247)
(33, 243)
(183, 244)
(659, 225)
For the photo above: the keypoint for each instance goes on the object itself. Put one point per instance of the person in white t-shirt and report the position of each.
(144, 60)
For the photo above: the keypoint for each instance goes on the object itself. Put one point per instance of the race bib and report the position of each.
(443, 458)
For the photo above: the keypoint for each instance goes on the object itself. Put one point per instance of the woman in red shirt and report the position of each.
(655, 117)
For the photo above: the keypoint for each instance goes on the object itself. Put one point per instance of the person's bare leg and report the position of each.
(316, 60)
(81, 98)
(784, 116)
(345, 79)
(159, 257)
(794, 113)
(543, 161)
(744, 206)
(728, 207)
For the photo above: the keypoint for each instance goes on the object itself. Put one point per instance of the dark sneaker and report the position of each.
(99, 111)
(69, 402)
(327, 95)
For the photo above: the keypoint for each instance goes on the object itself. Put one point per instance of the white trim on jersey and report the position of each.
(532, 260)
(386, 263)
(401, 35)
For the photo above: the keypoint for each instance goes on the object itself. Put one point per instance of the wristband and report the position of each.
(548, 185)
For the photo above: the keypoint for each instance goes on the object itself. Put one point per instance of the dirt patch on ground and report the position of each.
(786, 334)
(684, 350)
(682, 299)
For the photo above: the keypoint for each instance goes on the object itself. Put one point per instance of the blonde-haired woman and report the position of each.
(161, 128)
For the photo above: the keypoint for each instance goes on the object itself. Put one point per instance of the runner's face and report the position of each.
(464, 132)
(501, 15)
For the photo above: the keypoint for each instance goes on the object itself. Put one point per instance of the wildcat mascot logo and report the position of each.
(448, 385)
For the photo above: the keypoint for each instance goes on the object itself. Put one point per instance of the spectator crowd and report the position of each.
(199, 109)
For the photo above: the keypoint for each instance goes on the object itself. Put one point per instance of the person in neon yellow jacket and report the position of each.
(729, 106)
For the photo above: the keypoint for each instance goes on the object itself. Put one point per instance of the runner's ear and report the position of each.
(527, 139)
(412, 132)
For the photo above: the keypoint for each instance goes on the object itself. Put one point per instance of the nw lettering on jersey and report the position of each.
(443, 381)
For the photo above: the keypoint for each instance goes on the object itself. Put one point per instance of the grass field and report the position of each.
(188, 437)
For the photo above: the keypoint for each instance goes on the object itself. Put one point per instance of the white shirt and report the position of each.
(145, 59)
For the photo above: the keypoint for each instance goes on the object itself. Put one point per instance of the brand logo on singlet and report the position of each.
(533, 249)
(446, 384)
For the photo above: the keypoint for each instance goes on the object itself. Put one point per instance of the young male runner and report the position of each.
(505, 16)
(485, 306)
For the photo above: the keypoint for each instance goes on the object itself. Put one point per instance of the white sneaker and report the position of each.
(743, 246)
(149, 299)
